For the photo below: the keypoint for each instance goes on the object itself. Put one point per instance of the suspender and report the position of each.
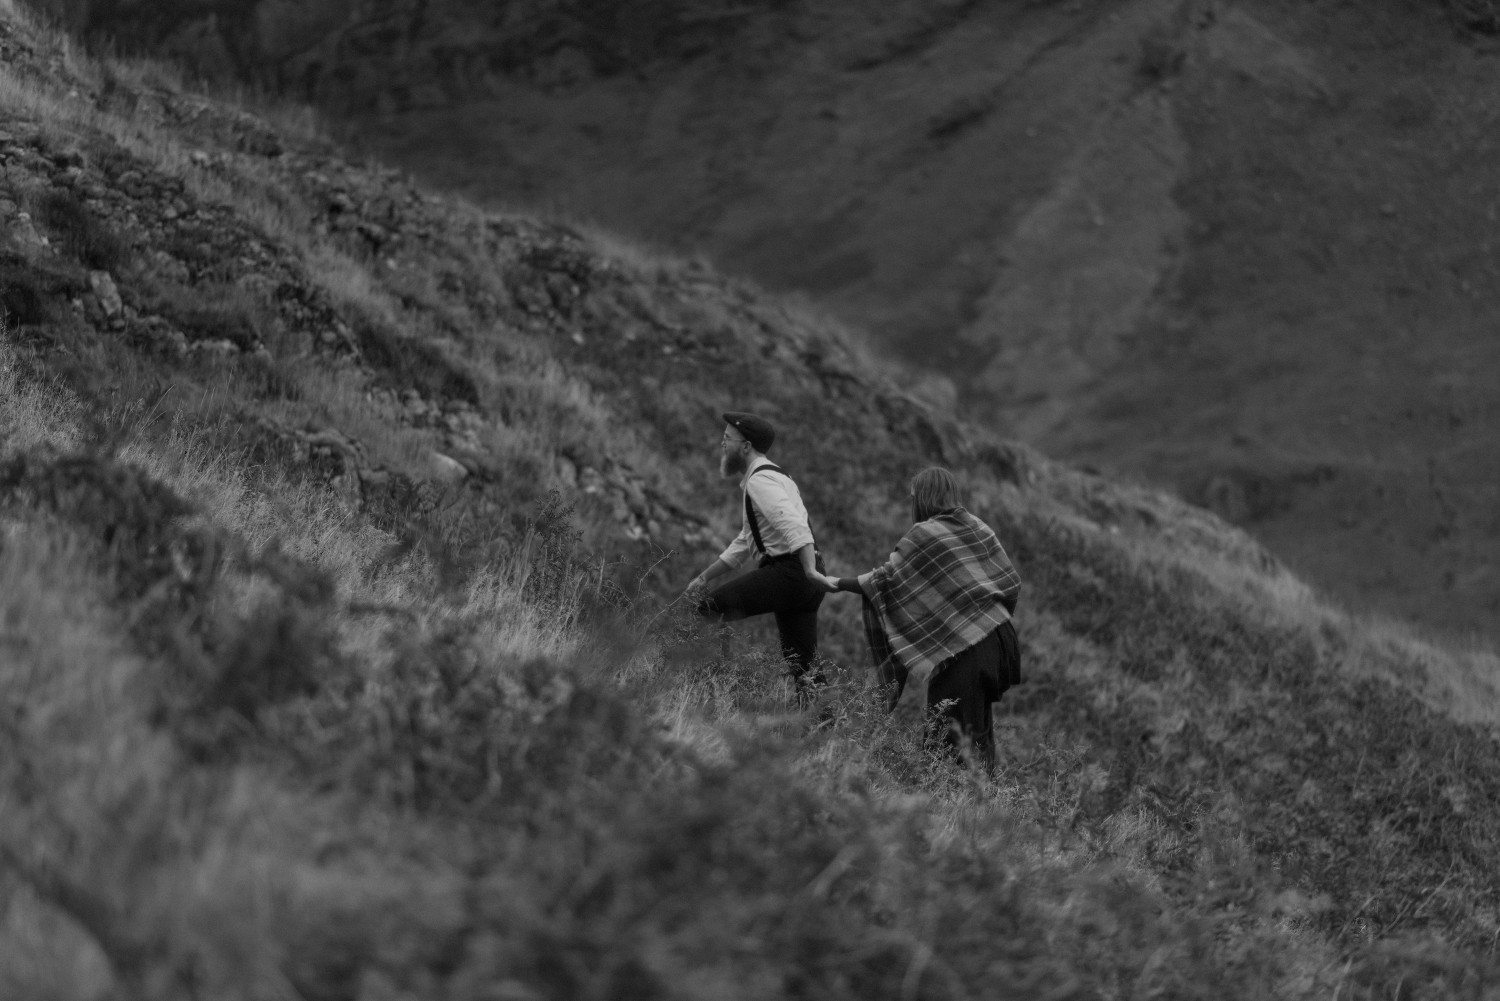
(750, 506)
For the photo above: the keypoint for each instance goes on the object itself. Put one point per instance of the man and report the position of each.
(773, 528)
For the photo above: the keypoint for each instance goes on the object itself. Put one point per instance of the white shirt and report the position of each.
(779, 512)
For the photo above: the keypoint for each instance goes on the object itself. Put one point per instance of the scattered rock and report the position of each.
(102, 284)
(590, 480)
(215, 347)
(25, 232)
(447, 468)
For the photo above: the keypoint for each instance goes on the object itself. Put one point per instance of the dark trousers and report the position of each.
(777, 586)
(975, 679)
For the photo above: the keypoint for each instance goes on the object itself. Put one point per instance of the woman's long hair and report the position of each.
(933, 491)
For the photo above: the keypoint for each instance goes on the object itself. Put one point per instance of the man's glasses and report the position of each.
(725, 441)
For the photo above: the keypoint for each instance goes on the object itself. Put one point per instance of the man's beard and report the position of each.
(732, 464)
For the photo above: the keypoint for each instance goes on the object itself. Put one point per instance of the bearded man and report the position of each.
(774, 528)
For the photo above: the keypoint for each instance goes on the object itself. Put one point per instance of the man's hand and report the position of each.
(827, 583)
(698, 587)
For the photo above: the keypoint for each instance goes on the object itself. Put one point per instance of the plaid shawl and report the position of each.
(949, 585)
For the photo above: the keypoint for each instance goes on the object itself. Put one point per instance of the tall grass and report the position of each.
(33, 414)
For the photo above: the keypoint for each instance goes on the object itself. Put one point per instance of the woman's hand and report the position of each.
(827, 583)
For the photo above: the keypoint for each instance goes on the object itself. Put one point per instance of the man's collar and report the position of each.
(756, 463)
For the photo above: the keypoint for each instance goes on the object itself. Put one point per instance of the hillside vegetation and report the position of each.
(1247, 250)
(340, 527)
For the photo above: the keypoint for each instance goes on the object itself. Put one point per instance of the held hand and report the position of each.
(828, 584)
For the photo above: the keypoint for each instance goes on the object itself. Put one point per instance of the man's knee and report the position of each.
(717, 606)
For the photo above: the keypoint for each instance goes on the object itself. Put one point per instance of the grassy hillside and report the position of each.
(340, 524)
(1242, 249)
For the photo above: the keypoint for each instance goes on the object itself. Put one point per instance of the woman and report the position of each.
(938, 614)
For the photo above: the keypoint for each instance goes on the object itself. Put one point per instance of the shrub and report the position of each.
(546, 566)
(131, 515)
(245, 666)
(30, 290)
(264, 378)
(213, 313)
(80, 233)
(410, 362)
(23, 298)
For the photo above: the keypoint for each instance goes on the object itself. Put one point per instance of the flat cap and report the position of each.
(757, 430)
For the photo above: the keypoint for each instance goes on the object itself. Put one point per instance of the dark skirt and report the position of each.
(973, 680)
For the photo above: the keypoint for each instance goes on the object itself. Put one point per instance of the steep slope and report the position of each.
(310, 690)
(1246, 251)
(1324, 374)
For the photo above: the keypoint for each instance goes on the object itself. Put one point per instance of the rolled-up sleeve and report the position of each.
(782, 509)
(734, 554)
